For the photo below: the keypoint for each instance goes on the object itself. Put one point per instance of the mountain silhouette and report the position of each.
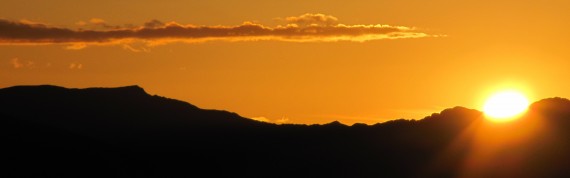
(51, 131)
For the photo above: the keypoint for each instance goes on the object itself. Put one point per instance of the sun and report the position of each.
(505, 105)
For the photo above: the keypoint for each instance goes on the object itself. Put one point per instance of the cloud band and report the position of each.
(305, 28)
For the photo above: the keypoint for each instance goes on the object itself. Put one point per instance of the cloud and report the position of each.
(96, 24)
(97, 21)
(17, 63)
(76, 66)
(312, 19)
(262, 119)
(304, 28)
(76, 46)
(153, 24)
(283, 120)
(136, 47)
(81, 23)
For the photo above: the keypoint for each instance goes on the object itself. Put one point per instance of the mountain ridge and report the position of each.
(137, 91)
(131, 90)
(126, 132)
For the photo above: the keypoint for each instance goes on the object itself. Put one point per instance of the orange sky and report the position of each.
(363, 61)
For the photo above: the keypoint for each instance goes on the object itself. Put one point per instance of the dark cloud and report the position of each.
(153, 24)
(304, 28)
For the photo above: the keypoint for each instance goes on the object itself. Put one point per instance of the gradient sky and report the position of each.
(294, 61)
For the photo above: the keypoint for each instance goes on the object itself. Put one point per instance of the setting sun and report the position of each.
(505, 105)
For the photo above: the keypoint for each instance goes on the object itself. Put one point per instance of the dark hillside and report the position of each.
(52, 131)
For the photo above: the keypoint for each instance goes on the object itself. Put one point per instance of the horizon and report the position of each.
(294, 62)
(266, 121)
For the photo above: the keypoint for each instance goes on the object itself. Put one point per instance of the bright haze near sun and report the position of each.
(307, 62)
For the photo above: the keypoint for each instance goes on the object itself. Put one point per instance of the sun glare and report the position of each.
(505, 106)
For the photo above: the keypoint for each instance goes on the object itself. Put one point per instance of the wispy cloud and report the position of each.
(75, 66)
(304, 28)
(262, 119)
(17, 63)
(283, 120)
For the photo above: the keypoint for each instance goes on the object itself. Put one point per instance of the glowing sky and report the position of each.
(294, 61)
